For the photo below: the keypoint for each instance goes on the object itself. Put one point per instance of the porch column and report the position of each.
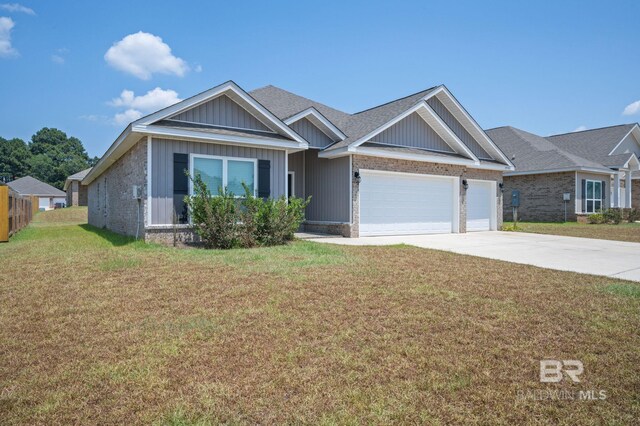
(627, 189)
(616, 190)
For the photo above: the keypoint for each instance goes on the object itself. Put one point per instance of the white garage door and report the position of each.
(400, 204)
(479, 205)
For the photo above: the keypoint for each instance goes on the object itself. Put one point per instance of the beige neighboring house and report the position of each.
(578, 172)
(76, 191)
(48, 196)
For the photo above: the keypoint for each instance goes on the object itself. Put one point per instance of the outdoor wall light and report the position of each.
(501, 186)
(357, 177)
(465, 184)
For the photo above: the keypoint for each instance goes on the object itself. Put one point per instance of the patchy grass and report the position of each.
(98, 328)
(623, 232)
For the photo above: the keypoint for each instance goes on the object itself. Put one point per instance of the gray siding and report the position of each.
(629, 144)
(221, 111)
(413, 131)
(311, 133)
(296, 165)
(162, 170)
(327, 182)
(457, 128)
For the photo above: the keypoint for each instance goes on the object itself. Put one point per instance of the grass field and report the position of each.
(99, 329)
(623, 232)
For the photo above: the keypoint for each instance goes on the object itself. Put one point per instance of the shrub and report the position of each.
(612, 216)
(215, 219)
(634, 215)
(596, 218)
(225, 221)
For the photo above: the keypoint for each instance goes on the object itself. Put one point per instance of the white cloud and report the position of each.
(632, 108)
(6, 25)
(57, 59)
(15, 7)
(198, 68)
(143, 54)
(580, 128)
(137, 106)
(151, 101)
(123, 118)
(94, 118)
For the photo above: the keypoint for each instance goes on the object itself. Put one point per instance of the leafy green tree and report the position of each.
(56, 156)
(14, 158)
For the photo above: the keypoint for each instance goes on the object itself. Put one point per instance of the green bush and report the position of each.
(226, 221)
(596, 218)
(634, 215)
(612, 216)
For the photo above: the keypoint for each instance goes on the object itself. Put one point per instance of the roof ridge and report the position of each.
(591, 130)
(299, 96)
(398, 99)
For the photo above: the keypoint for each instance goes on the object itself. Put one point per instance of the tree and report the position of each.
(14, 159)
(56, 156)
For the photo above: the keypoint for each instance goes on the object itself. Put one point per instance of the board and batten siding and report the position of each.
(412, 131)
(316, 137)
(296, 165)
(221, 111)
(162, 170)
(327, 181)
(457, 128)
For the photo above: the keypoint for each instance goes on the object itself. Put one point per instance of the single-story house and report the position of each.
(49, 197)
(580, 172)
(76, 191)
(418, 164)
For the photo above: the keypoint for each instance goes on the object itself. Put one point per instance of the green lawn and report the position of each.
(622, 232)
(96, 328)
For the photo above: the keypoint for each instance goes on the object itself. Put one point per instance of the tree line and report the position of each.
(50, 156)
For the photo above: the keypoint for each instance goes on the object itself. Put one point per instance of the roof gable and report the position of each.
(311, 133)
(221, 111)
(413, 131)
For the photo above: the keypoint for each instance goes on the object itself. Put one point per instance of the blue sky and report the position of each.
(546, 67)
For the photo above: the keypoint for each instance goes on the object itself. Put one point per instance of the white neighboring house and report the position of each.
(48, 196)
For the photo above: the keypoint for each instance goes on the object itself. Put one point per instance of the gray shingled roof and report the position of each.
(594, 145)
(286, 104)
(31, 186)
(80, 175)
(529, 152)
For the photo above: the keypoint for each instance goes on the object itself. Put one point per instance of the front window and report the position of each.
(221, 172)
(594, 196)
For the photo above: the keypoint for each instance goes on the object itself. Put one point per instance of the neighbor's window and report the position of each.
(220, 172)
(594, 196)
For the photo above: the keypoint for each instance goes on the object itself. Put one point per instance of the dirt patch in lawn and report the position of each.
(95, 328)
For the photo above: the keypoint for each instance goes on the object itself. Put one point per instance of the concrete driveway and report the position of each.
(588, 256)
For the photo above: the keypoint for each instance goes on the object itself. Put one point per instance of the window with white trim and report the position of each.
(224, 172)
(593, 196)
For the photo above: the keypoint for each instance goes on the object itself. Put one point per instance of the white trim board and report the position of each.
(311, 111)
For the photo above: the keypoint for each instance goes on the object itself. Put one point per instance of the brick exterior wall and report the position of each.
(77, 195)
(541, 197)
(111, 202)
(406, 166)
(635, 193)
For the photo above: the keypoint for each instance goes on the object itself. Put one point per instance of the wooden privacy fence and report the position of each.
(15, 212)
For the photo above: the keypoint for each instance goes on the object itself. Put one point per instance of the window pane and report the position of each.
(210, 171)
(596, 190)
(589, 189)
(237, 173)
(589, 206)
(597, 205)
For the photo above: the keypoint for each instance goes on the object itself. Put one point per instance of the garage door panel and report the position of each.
(479, 211)
(405, 204)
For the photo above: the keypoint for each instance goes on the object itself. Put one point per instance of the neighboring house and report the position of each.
(594, 167)
(419, 164)
(76, 191)
(48, 196)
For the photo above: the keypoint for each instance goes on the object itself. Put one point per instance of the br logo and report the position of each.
(551, 370)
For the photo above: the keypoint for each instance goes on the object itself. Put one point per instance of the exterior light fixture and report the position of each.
(357, 177)
(501, 186)
(465, 184)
